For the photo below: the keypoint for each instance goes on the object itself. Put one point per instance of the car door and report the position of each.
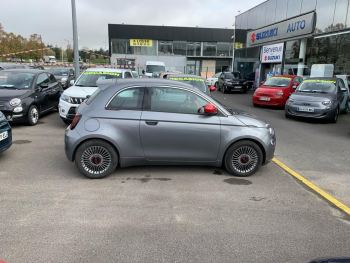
(55, 90)
(341, 94)
(42, 96)
(172, 130)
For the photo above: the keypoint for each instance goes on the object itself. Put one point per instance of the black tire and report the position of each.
(334, 117)
(33, 115)
(96, 159)
(288, 116)
(244, 91)
(347, 108)
(243, 158)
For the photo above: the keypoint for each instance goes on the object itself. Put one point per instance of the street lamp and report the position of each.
(75, 40)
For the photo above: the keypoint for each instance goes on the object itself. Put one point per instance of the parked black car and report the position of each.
(5, 66)
(232, 81)
(63, 75)
(27, 93)
(5, 133)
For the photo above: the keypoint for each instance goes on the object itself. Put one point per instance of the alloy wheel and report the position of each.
(34, 115)
(245, 159)
(96, 160)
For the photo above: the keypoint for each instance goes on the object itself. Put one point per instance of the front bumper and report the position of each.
(67, 110)
(5, 144)
(273, 101)
(317, 114)
(235, 87)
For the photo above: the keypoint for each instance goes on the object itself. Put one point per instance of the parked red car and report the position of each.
(276, 90)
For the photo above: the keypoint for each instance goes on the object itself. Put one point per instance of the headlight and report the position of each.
(2, 116)
(279, 93)
(63, 79)
(15, 102)
(65, 98)
(290, 101)
(271, 130)
(327, 103)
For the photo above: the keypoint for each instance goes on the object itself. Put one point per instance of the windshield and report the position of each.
(16, 80)
(154, 68)
(277, 82)
(232, 76)
(60, 71)
(318, 86)
(195, 82)
(90, 78)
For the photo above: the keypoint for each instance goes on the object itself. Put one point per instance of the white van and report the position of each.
(154, 67)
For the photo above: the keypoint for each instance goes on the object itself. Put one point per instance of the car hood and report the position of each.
(247, 118)
(79, 92)
(312, 97)
(13, 93)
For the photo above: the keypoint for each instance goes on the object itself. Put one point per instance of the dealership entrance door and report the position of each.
(269, 70)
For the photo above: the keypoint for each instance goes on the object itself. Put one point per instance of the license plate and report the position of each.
(264, 98)
(306, 109)
(238, 87)
(4, 135)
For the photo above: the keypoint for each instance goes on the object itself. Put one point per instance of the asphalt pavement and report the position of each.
(319, 151)
(50, 213)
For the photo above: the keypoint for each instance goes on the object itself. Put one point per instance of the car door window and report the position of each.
(174, 100)
(127, 75)
(341, 85)
(128, 99)
(43, 79)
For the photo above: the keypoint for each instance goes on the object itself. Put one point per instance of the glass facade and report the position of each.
(170, 48)
(333, 15)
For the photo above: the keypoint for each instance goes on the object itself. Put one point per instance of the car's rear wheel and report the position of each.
(96, 159)
(347, 107)
(33, 115)
(243, 159)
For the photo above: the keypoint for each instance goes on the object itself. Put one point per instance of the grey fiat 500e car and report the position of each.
(318, 98)
(163, 122)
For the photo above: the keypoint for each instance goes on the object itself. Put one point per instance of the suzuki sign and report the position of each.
(297, 26)
(272, 53)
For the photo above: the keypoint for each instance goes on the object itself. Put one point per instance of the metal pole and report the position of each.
(75, 41)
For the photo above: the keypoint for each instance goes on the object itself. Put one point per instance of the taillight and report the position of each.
(75, 121)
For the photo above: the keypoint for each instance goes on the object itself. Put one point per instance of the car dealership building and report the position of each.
(289, 36)
(194, 50)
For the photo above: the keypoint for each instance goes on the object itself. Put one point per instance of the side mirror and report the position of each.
(295, 85)
(71, 83)
(262, 83)
(212, 88)
(209, 110)
(344, 90)
(44, 86)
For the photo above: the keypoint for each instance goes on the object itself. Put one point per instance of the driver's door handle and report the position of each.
(151, 123)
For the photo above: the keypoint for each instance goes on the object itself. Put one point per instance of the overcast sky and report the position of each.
(52, 18)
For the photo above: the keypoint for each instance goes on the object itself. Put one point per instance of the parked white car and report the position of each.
(84, 87)
(213, 80)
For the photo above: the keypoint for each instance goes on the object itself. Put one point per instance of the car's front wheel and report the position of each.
(243, 159)
(334, 117)
(33, 115)
(96, 159)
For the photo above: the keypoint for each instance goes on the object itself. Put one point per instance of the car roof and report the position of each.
(185, 76)
(107, 70)
(123, 83)
(26, 70)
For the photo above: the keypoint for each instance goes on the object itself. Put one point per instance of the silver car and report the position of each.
(163, 122)
(319, 98)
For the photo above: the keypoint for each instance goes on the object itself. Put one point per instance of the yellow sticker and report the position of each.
(281, 78)
(141, 43)
(187, 79)
(102, 73)
(319, 81)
